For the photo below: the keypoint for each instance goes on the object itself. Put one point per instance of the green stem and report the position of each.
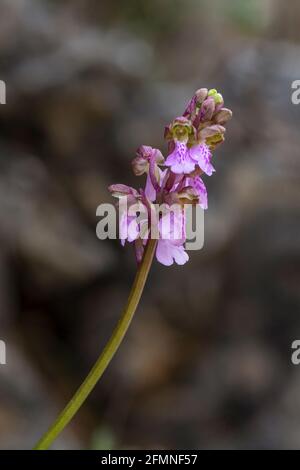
(106, 356)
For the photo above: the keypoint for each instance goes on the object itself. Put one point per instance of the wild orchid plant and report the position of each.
(175, 181)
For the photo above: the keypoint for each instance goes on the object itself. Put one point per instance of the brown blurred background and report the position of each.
(207, 361)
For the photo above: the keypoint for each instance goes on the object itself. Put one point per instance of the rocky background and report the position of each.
(207, 361)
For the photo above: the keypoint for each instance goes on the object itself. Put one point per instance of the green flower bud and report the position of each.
(218, 98)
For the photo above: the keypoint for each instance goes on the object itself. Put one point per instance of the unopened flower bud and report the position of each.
(201, 95)
(212, 92)
(218, 98)
(207, 109)
(223, 116)
(210, 131)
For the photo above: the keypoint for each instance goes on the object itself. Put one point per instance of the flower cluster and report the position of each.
(174, 182)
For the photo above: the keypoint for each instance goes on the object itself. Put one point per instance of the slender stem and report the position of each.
(106, 356)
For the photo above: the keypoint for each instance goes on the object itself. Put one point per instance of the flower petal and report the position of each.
(149, 189)
(168, 252)
(201, 155)
(163, 253)
(180, 255)
(180, 160)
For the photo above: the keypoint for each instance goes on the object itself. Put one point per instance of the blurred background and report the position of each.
(207, 361)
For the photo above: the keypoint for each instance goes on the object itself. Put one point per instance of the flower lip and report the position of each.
(180, 159)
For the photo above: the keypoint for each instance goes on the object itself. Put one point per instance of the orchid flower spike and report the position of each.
(191, 138)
